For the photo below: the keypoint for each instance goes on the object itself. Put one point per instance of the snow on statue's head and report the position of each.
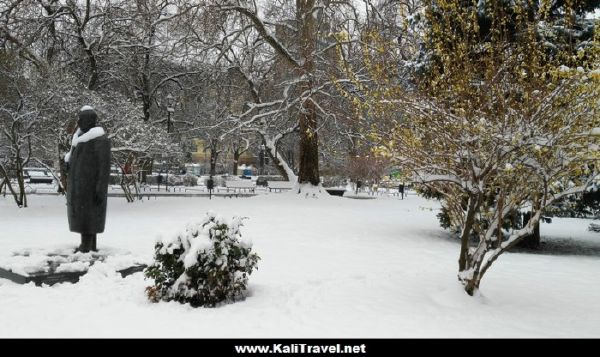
(87, 118)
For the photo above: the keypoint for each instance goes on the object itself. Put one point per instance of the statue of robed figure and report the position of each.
(88, 165)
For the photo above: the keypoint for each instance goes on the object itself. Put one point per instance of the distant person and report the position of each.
(358, 186)
(401, 190)
(375, 189)
(159, 180)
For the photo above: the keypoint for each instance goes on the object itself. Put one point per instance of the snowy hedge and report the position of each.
(207, 264)
(175, 180)
(190, 180)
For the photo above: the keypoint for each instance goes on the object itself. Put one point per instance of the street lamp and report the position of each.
(170, 109)
(166, 168)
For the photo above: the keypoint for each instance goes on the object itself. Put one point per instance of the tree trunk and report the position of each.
(146, 105)
(22, 195)
(277, 159)
(213, 161)
(93, 81)
(500, 208)
(309, 141)
(309, 146)
(126, 188)
(87, 48)
(472, 285)
(16, 195)
(236, 158)
(531, 241)
(466, 231)
(278, 165)
(469, 264)
(128, 179)
(21, 200)
(146, 75)
(52, 32)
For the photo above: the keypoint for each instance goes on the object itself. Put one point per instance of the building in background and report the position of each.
(200, 156)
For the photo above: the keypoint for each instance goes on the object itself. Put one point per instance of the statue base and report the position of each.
(62, 265)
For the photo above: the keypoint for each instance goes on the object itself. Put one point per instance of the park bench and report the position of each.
(279, 185)
(240, 185)
(334, 191)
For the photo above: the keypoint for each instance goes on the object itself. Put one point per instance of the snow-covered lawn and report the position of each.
(333, 267)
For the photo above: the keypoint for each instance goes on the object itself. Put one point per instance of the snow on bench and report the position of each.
(240, 185)
(280, 185)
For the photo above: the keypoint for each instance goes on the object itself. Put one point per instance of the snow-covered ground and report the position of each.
(332, 267)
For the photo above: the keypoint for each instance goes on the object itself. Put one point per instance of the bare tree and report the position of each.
(284, 52)
(18, 119)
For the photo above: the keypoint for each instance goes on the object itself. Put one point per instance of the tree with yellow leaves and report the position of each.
(496, 123)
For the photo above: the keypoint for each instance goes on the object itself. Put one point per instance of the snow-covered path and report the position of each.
(330, 268)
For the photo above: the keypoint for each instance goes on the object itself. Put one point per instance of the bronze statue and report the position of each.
(88, 165)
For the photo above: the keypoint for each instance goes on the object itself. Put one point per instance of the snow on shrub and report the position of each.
(207, 264)
(175, 180)
(190, 180)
